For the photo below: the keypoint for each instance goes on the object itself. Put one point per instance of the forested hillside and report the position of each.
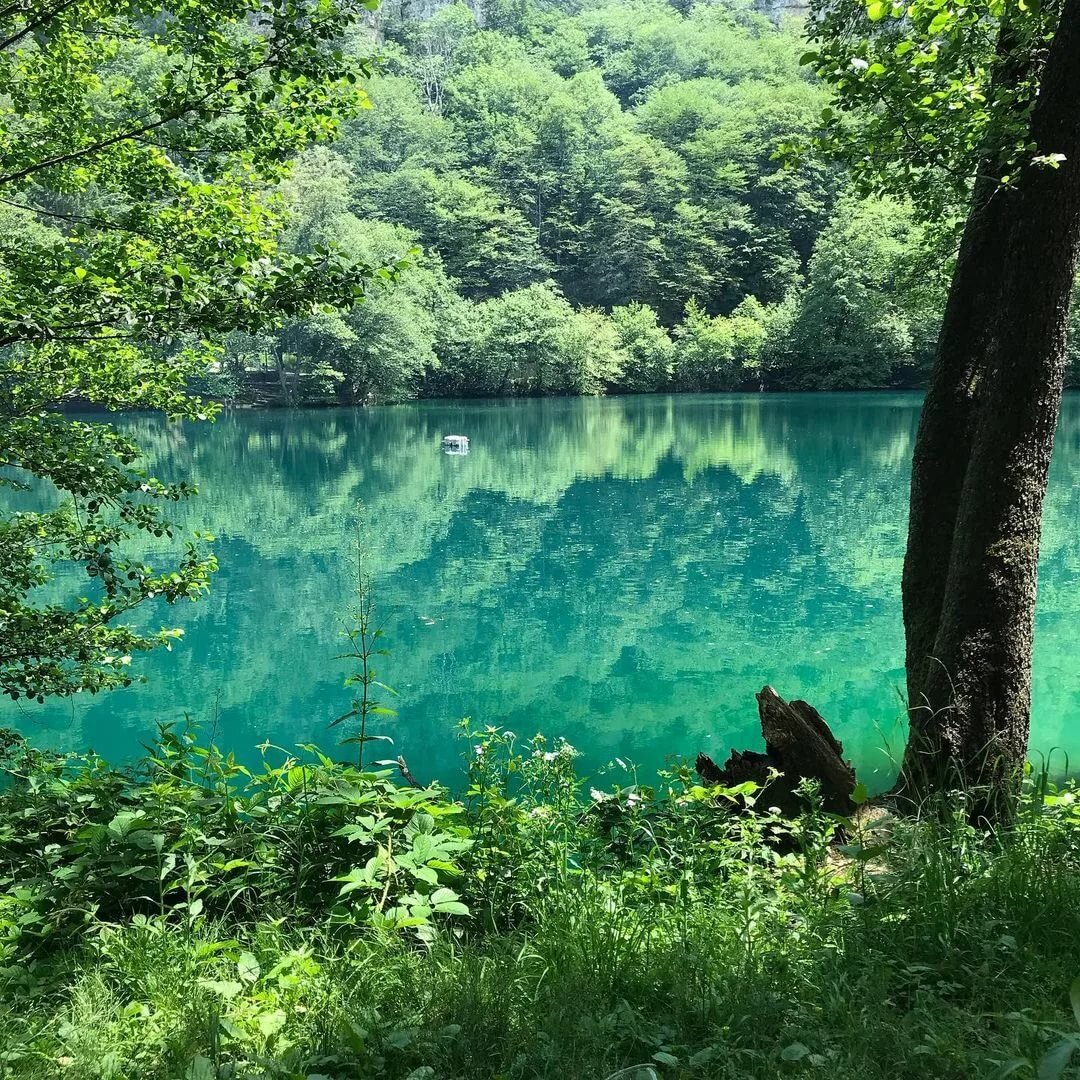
(595, 202)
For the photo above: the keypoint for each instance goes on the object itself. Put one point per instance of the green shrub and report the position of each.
(188, 917)
(191, 833)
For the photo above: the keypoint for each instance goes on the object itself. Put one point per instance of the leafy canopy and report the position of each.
(139, 148)
(942, 91)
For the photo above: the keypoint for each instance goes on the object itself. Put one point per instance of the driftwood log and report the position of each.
(798, 746)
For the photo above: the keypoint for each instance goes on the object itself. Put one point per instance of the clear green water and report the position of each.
(624, 572)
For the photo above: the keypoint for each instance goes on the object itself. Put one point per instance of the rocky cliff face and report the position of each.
(775, 8)
(421, 10)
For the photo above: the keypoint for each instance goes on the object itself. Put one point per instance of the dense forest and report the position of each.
(593, 199)
(589, 196)
(625, 196)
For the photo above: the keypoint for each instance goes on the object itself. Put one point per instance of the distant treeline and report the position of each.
(595, 203)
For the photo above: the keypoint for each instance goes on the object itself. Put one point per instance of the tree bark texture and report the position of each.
(947, 421)
(982, 460)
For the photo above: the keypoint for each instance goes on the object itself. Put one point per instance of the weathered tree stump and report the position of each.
(798, 746)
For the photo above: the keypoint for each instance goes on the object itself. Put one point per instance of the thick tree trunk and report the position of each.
(947, 421)
(946, 425)
(971, 702)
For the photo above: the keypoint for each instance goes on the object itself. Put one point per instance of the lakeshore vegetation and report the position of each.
(531, 199)
(188, 918)
(599, 206)
(591, 201)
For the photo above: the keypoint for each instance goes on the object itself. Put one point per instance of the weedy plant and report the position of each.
(364, 638)
(190, 832)
(190, 916)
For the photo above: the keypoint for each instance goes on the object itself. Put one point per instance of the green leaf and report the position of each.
(358, 878)
(796, 1051)
(270, 1023)
(224, 988)
(451, 907)
(125, 822)
(1055, 1061)
(877, 10)
(247, 967)
(424, 846)
(200, 1068)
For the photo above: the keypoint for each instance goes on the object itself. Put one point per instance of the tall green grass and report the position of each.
(220, 932)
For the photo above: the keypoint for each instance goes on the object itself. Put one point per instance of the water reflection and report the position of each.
(625, 572)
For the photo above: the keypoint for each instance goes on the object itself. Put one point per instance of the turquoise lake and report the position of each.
(624, 572)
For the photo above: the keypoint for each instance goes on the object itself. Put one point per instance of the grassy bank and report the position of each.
(192, 918)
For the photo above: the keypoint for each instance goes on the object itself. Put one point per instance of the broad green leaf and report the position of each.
(247, 967)
(270, 1023)
(1055, 1061)
(222, 987)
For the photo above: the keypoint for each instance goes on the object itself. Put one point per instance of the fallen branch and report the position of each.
(406, 774)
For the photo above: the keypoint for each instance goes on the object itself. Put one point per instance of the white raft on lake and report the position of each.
(456, 444)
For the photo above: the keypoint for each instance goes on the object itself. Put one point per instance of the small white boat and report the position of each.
(455, 444)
